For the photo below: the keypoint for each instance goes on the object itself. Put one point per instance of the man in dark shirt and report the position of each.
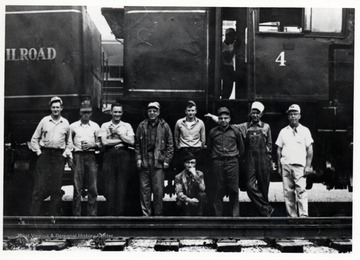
(226, 145)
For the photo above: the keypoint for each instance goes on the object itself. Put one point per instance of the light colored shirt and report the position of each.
(85, 132)
(52, 134)
(121, 128)
(294, 144)
(189, 135)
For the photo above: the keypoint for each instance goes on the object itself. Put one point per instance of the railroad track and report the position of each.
(180, 227)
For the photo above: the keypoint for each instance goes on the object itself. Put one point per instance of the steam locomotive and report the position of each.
(173, 54)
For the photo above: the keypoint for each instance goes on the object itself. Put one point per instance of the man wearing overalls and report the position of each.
(258, 147)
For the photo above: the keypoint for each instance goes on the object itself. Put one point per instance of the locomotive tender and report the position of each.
(173, 54)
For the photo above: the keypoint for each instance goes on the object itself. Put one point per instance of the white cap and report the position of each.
(257, 105)
(294, 107)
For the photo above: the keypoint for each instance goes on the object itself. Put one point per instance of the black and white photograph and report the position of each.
(190, 129)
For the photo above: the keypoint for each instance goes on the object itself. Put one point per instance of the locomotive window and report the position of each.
(299, 20)
(287, 20)
(327, 20)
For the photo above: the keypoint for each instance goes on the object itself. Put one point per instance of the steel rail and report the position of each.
(179, 227)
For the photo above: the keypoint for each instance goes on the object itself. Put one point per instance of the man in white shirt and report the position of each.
(189, 135)
(52, 143)
(295, 153)
(116, 137)
(84, 134)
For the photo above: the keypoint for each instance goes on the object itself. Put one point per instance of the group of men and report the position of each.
(56, 142)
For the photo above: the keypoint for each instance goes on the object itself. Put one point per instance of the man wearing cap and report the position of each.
(116, 137)
(258, 148)
(189, 134)
(226, 146)
(229, 49)
(295, 153)
(190, 188)
(52, 143)
(84, 135)
(154, 151)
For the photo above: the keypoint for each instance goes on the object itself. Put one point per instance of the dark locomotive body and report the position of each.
(50, 50)
(173, 54)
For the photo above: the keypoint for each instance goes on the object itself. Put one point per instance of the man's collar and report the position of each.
(195, 120)
(59, 120)
(88, 123)
(256, 124)
(155, 122)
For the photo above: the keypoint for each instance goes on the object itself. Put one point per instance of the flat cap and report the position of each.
(189, 156)
(223, 110)
(85, 106)
(55, 99)
(154, 105)
(294, 107)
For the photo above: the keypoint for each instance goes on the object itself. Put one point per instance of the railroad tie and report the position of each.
(228, 245)
(167, 245)
(114, 244)
(49, 245)
(289, 246)
(342, 245)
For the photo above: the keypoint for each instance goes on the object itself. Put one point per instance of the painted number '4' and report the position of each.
(281, 59)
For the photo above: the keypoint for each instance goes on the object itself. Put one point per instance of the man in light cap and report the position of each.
(154, 151)
(52, 143)
(295, 153)
(85, 137)
(229, 49)
(258, 149)
(189, 135)
(226, 146)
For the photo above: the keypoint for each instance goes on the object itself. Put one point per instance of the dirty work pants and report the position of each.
(226, 172)
(85, 170)
(116, 167)
(48, 176)
(151, 181)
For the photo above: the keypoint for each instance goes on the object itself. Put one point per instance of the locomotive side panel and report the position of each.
(49, 51)
(42, 60)
(291, 68)
(166, 52)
